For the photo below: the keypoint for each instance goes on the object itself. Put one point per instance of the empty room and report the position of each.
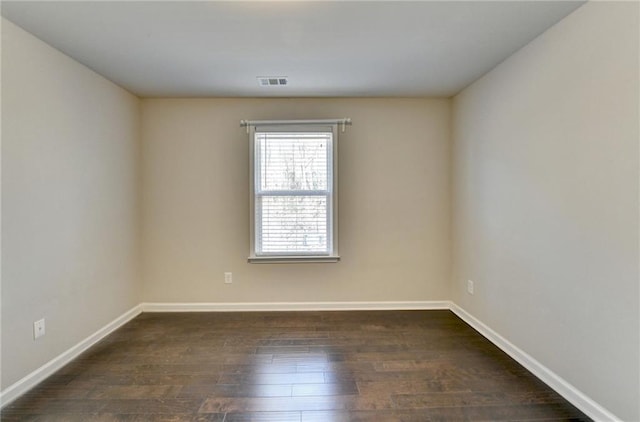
(320, 211)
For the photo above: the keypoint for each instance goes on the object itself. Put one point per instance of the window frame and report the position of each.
(332, 210)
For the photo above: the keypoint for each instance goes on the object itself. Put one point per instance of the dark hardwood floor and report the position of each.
(293, 366)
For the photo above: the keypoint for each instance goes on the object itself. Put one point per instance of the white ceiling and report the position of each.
(380, 48)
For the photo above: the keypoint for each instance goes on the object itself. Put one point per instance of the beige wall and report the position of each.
(393, 197)
(70, 150)
(546, 202)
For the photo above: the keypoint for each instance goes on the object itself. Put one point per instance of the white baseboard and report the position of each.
(562, 387)
(293, 306)
(31, 380)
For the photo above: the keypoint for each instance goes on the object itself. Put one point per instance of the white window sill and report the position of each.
(291, 259)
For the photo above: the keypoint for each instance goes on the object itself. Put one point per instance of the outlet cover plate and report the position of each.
(38, 329)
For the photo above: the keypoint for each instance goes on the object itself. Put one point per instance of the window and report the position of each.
(293, 193)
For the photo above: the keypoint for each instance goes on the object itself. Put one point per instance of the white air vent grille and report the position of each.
(272, 80)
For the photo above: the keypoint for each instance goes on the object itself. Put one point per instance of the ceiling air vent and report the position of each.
(272, 80)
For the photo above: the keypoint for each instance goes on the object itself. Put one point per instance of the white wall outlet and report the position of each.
(38, 329)
(228, 278)
(470, 287)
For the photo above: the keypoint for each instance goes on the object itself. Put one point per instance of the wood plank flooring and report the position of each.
(293, 366)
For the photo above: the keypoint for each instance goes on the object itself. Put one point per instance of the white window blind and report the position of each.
(294, 193)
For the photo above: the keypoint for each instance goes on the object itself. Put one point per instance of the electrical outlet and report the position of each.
(470, 287)
(228, 278)
(38, 329)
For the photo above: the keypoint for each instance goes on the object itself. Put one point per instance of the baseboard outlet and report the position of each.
(294, 306)
(31, 380)
(562, 387)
